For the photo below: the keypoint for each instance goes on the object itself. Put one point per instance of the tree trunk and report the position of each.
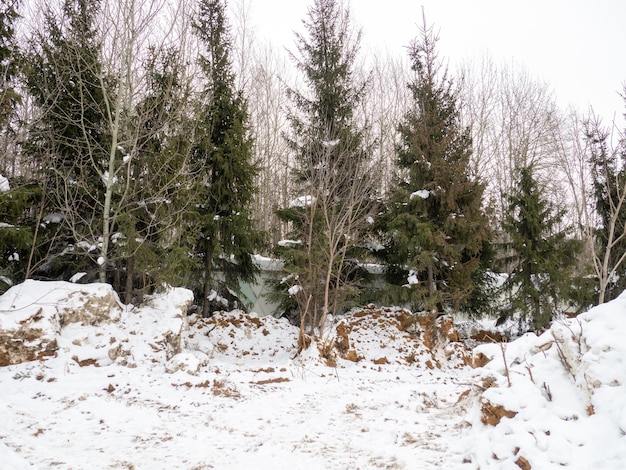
(130, 276)
(431, 281)
(208, 279)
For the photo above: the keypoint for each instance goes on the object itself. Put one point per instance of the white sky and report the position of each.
(574, 45)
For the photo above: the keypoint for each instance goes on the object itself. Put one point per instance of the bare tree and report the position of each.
(387, 99)
(268, 104)
(605, 222)
(336, 214)
(515, 123)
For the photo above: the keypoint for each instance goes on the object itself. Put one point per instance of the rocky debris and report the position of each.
(223, 333)
(32, 341)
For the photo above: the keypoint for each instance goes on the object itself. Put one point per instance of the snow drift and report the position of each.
(89, 382)
(566, 402)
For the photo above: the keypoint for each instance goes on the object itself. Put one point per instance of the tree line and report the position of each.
(153, 143)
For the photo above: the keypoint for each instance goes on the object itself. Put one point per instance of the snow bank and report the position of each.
(384, 388)
(566, 403)
(32, 315)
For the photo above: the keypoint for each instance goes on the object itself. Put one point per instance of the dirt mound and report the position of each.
(236, 335)
(392, 335)
(377, 336)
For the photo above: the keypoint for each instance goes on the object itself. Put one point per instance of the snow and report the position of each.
(412, 279)
(4, 184)
(214, 296)
(372, 246)
(77, 277)
(568, 388)
(293, 290)
(302, 201)
(288, 243)
(107, 180)
(268, 264)
(53, 218)
(236, 395)
(422, 193)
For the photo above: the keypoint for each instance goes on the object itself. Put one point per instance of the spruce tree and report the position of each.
(16, 202)
(69, 141)
(332, 189)
(9, 61)
(20, 208)
(222, 157)
(153, 249)
(435, 228)
(541, 257)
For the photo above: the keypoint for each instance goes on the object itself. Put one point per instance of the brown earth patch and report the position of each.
(480, 360)
(351, 355)
(522, 463)
(223, 389)
(25, 345)
(85, 362)
(491, 414)
(485, 336)
(275, 380)
(267, 370)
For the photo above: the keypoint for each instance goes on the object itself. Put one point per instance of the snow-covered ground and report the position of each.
(127, 387)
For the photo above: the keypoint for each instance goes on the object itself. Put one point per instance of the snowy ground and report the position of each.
(235, 397)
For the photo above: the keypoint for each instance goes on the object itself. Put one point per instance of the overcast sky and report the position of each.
(577, 46)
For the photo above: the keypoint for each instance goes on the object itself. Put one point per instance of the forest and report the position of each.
(149, 144)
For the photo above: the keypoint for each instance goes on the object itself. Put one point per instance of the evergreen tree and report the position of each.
(540, 255)
(153, 249)
(222, 156)
(435, 228)
(19, 207)
(69, 140)
(333, 192)
(15, 203)
(324, 114)
(9, 60)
